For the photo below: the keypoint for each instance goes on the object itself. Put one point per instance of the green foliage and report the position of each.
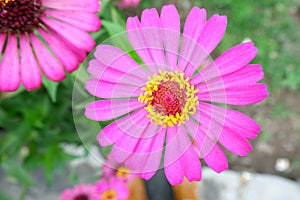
(4, 195)
(34, 127)
(51, 88)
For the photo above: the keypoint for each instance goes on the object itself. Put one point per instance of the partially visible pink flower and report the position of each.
(80, 192)
(44, 37)
(128, 3)
(112, 188)
(113, 168)
(169, 104)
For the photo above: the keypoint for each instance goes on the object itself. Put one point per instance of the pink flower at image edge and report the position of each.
(127, 3)
(44, 36)
(170, 110)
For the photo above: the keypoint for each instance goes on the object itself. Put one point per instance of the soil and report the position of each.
(279, 117)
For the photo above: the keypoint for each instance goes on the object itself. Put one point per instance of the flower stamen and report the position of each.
(109, 195)
(170, 98)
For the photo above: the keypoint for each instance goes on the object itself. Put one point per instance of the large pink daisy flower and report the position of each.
(80, 192)
(43, 36)
(112, 189)
(166, 112)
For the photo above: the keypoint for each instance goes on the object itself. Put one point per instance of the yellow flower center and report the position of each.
(170, 98)
(123, 172)
(109, 195)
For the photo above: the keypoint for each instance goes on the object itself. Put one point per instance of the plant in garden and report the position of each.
(80, 192)
(165, 106)
(44, 36)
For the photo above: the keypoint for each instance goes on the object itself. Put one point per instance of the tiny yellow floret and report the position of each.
(109, 195)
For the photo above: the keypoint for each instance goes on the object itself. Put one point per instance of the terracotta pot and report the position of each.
(187, 191)
(137, 189)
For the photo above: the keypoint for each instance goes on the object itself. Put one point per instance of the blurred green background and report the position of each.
(34, 125)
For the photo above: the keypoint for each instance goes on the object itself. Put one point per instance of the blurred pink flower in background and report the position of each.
(44, 36)
(114, 168)
(112, 188)
(128, 3)
(80, 192)
(166, 106)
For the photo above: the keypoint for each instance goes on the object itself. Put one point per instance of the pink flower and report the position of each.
(166, 108)
(43, 36)
(128, 3)
(112, 188)
(80, 192)
(114, 168)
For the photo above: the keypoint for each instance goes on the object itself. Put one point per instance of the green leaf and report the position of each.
(104, 4)
(13, 169)
(116, 17)
(113, 28)
(51, 88)
(4, 195)
(7, 141)
(118, 36)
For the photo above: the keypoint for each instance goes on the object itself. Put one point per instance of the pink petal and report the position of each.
(136, 36)
(66, 56)
(112, 132)
(193, 26)
(173, 169)
(236, 95)
(208, 149)
(103, 110)
(75, 36)
(87, 5)
(212, 33)
(117, 60)
(230, 61)
(83, 20)
(170, 21)
(96, 68)
(105, 89)
(124, 134)
(180, 158)
(49, 65)
(114, 75)
(10, 66)
(204, 142)
(120, 187)
(147, 154)
(30, 73)
(250, 74)
(80, 54)
(216, 159)
(232, 119)
(152, 33)
(102, 186)
(209, 38)
(229, 138)
(126, 144)
(235, 143)
(127, 3)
